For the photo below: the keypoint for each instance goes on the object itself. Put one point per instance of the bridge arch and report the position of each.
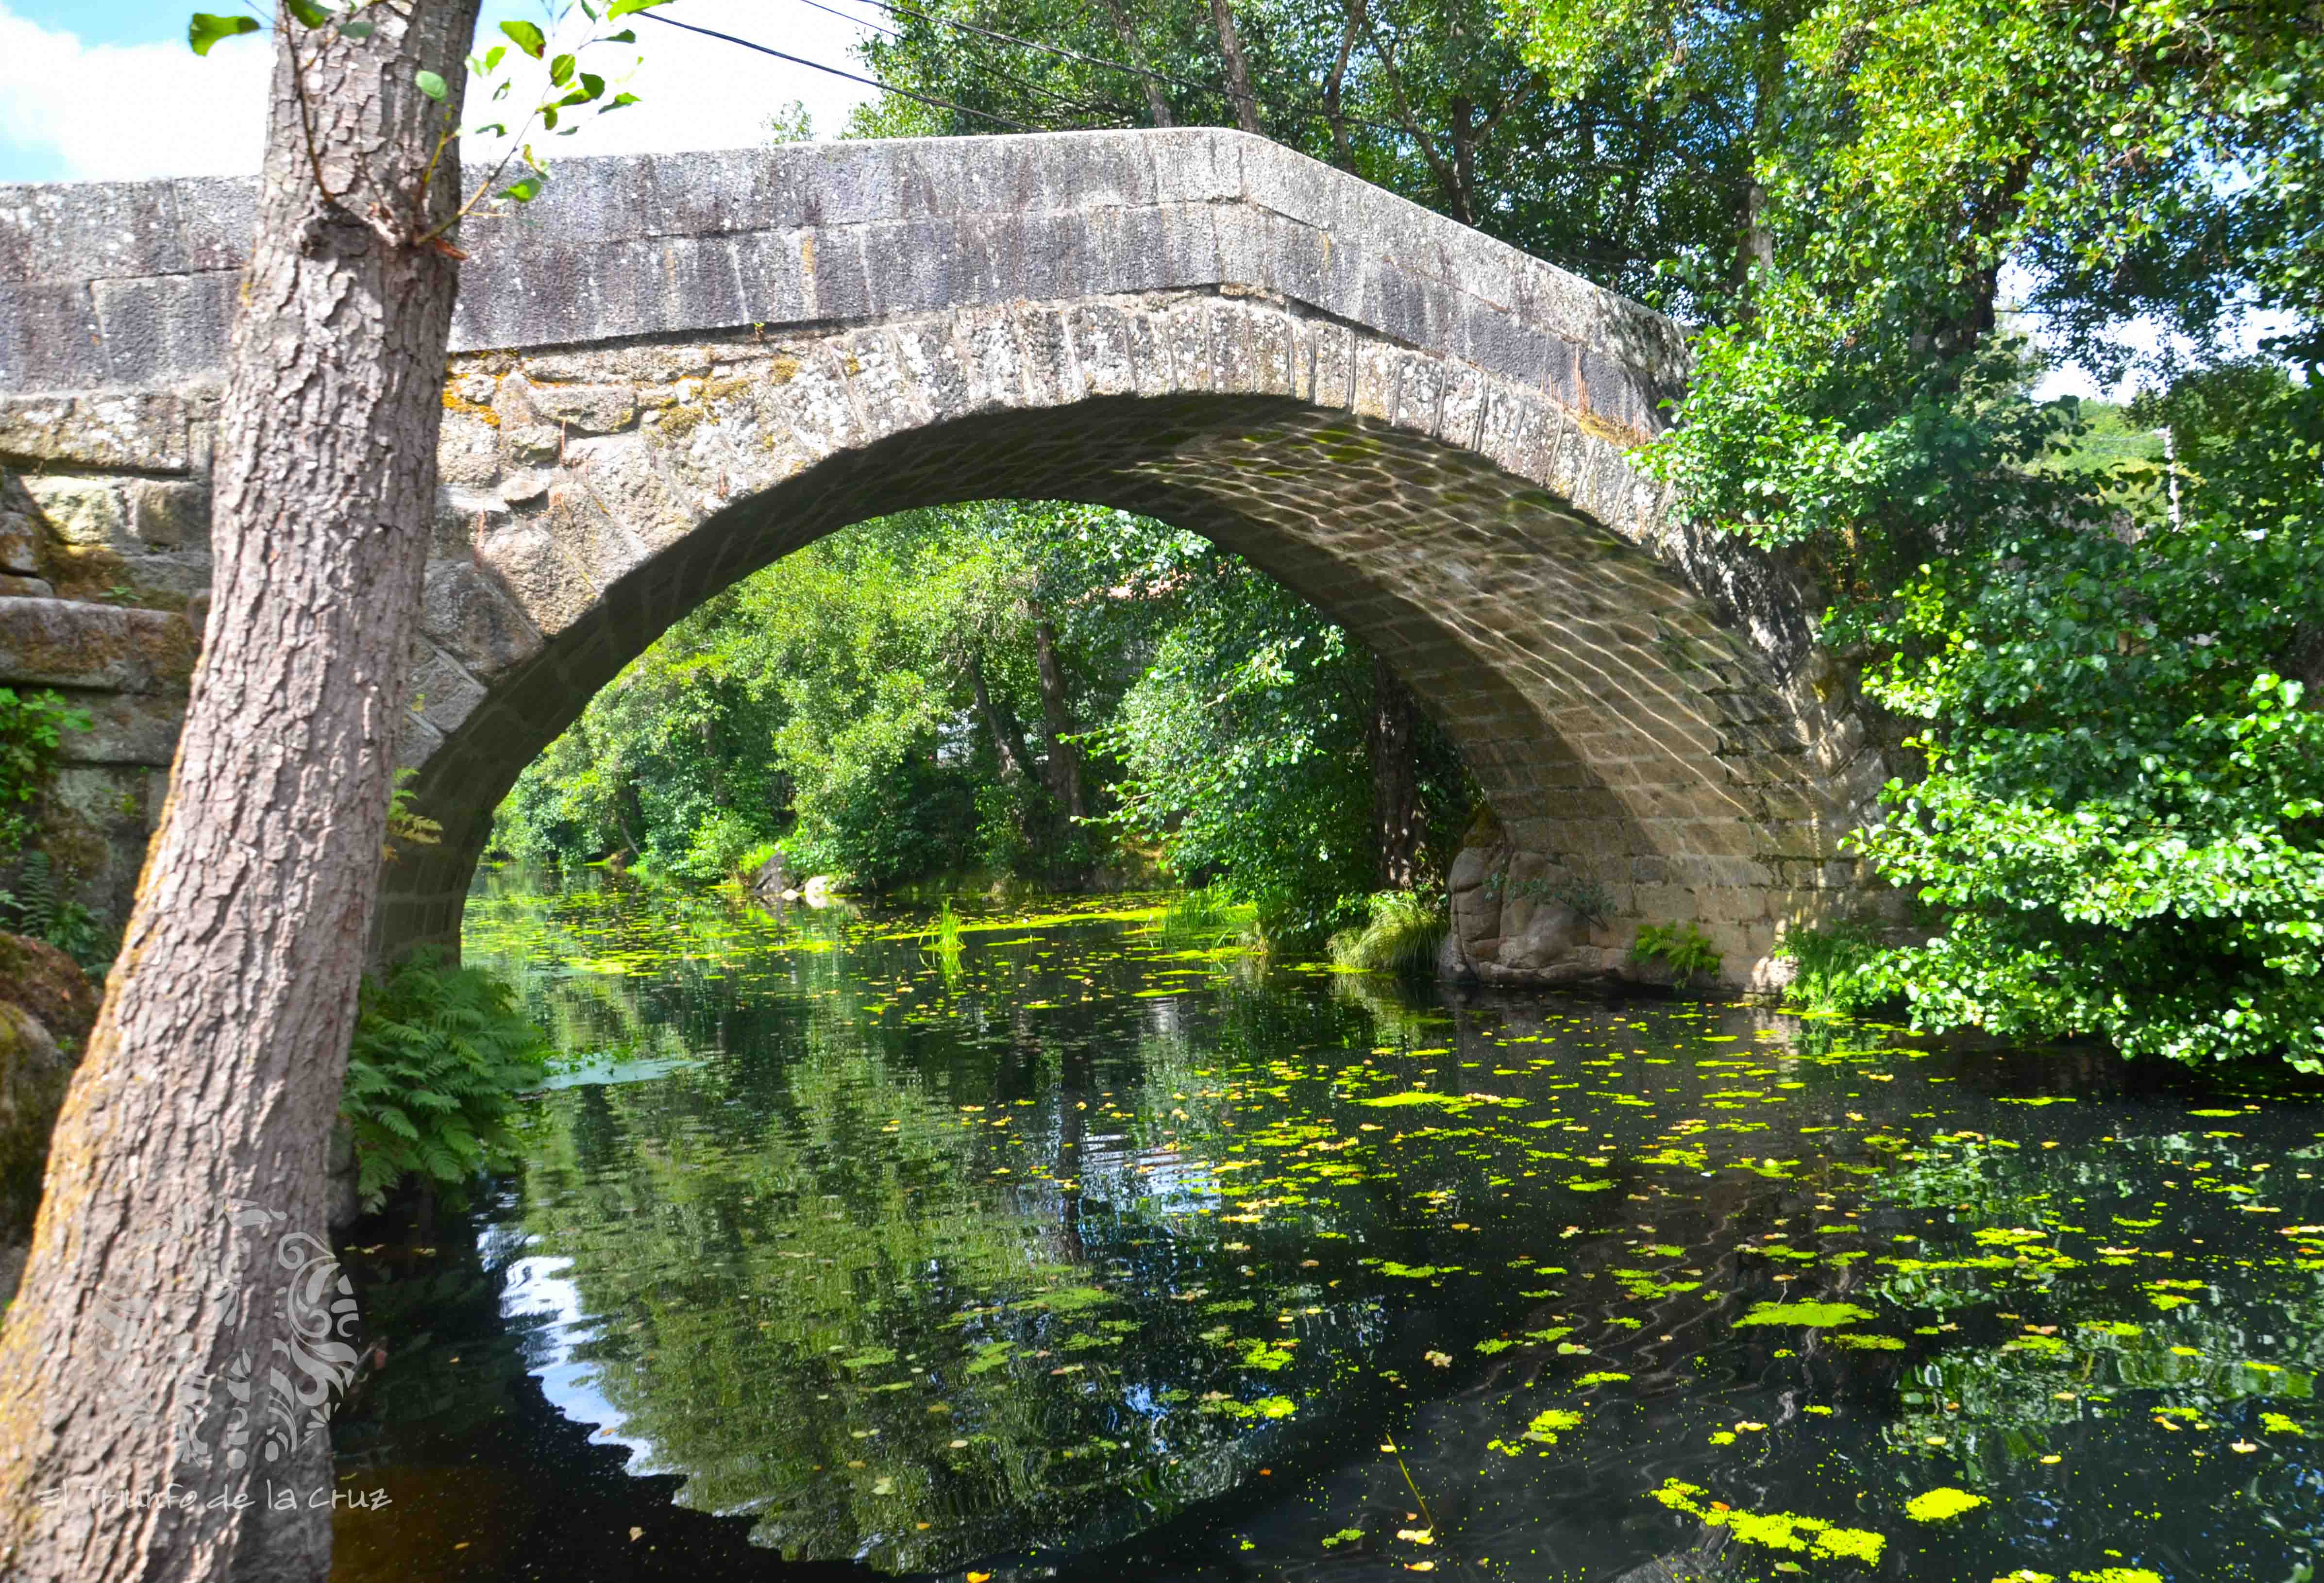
(672, 370)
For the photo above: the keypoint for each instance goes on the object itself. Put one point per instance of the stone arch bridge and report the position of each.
(672, 370)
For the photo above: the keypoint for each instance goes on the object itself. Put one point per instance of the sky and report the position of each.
(102, 90)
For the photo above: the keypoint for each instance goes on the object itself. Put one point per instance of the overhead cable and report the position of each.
(895, 8)
(1026, 83)
(884, 87)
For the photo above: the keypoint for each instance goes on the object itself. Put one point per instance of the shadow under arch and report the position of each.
(1628, 725)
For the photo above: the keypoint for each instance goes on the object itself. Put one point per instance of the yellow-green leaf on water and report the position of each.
(1814, 1315)
(1935, 1506)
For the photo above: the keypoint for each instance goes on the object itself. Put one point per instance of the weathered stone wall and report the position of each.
(675, 369)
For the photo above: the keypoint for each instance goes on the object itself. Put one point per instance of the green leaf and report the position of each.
(433, 85)
(492, 57)
(618, 100)
(628, 35)
(621, 8)
(309, 14)
(356, 30)
(206, 29)
(523, 189)
(527, 37)
(560, 70)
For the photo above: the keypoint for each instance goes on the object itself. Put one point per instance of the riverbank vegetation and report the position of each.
(36, 897)
(1045, 693)
(439, 1055)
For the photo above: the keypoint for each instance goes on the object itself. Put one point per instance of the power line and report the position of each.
(1059, 51)
(1023, 82)
(1399, 133)
(894, 8)
(834, 70)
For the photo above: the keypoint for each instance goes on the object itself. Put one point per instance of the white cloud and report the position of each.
(700, 93)
(114, 113)
(111, 111)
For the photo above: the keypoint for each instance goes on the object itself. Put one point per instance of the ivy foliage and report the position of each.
(38, 900)
(2111, 675)
(1244, 754)
(32, 730)
(2123, 820)
(439, 1054)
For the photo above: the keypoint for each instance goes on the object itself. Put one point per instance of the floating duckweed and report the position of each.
(1813, 1315)
(1782, 1531)
(1935, 1506)
(1545, 1427)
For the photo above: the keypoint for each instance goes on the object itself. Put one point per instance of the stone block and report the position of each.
(543, 583)
(125, 728)
(164, 328)
(20, 544)
(464, 611)
(636, 502)
(86, 514)
(144, 430)
(57, 643)
(587, 408)
(14, 586)
(534, 444)
(445, 695)
(169, 516)
(468, 452)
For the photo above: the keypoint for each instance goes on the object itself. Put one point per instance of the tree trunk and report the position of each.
(1755, 241)
(629, 814)
(176, 1261)
(1463, 131)
(1158, 105)
(1396, 790)
(1246, 104)
(1343, 153)
(1007, 738)
(1057, 715)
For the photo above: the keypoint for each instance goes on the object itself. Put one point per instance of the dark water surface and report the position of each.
(1086, 1254)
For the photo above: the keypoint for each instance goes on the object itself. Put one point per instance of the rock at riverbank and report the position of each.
(46, 982)
(33, 1072)
(1513, 925)
(47, 1007)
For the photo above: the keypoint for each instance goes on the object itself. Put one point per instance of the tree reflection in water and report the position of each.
(1087, 1246)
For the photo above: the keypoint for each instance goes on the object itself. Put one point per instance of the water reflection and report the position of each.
(1098, 1253)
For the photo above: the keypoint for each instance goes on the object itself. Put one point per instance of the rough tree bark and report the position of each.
(1396, 789)
(210, 1081)
(1245, 103)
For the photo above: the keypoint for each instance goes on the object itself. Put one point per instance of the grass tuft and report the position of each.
(1401, 937)
(1206, 918)
(1837, 969)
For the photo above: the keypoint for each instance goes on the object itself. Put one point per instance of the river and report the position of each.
(1092, 1250)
